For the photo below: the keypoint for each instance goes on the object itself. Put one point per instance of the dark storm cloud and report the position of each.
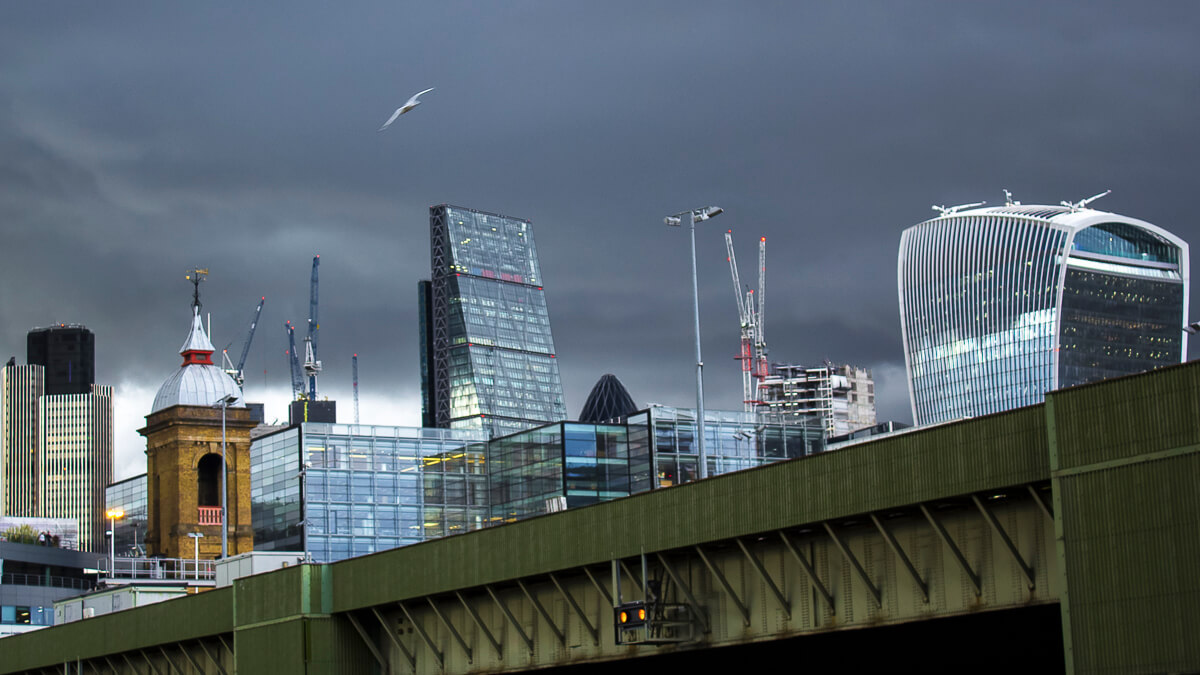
(136, 140)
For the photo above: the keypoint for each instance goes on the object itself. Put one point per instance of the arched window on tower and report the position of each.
(208, 481)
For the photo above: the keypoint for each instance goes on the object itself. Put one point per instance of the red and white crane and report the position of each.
(751, 316)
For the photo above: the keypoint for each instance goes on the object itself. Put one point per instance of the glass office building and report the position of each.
(1000, 305)
(571, 464)
(559, 466)
(733, 441)
(366, 488)
(487, 352)
(129, 496)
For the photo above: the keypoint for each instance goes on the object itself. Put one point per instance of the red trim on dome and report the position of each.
(199, 357)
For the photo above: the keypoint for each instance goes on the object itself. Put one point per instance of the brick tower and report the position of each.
(183, 448)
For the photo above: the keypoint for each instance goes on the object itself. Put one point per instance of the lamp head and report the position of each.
(114, 513)
(673, 221)
(707, 212)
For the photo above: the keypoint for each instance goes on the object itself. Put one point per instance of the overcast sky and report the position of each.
(139, 139)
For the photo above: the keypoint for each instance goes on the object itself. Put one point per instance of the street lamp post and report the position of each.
(697, 216)
(303, 475)
(224, 405)
(113, 514)
(196, 538)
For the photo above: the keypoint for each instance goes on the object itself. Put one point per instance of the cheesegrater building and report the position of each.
(487, 354)
(1000, 305)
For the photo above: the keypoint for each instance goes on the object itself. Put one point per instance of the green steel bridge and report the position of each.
(1085, 509)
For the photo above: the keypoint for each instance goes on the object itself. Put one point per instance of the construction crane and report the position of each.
(354, 364)
(311, 365)
(236, 371)
(750, 318)
(294, 363)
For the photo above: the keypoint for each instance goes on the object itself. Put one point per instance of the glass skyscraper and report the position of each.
(1000, 305)
(487, 354)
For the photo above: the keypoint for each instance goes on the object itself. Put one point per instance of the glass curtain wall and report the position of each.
(129, 495)
(733, 441)
(367, 488)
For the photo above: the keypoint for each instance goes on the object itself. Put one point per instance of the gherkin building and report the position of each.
(608, 401)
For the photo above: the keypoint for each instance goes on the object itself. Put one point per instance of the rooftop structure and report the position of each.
(999, 305)
(840, 399)
(198, 381)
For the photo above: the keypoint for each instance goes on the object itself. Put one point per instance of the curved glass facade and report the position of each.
(999, 306)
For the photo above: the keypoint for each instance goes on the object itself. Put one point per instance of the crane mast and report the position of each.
(753, 353)
(311, 365)
(760, 339)
(294, 363)
(236, 371)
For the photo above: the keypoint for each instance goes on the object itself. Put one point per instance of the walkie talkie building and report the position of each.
(1000, 305)
(487, 353)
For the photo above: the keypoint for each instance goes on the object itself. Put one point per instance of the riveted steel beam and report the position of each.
(896, 548)
(599, 586)
(812, 573)
(512, 620)
(741, 606)
(481, 625)
(990, 517)
(453, 631)
(437, 654)
(855, 565)
(762, 573)
(171, 663)
(220, 668)
(187, 655)
(362, 633)
(149, 662)
(1037, 497)
(687, 592)
(949, 543)
(408, 656)
(562, 638)
(129, 663)
(578, 610)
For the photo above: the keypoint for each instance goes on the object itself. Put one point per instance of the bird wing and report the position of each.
(391, 119)
(413, 100)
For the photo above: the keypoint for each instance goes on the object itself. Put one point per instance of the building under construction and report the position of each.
(841, 397)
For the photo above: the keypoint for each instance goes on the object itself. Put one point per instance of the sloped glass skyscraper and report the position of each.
(487, 354)
(1000, 305)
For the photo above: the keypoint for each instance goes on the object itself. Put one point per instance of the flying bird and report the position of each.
(412, 103)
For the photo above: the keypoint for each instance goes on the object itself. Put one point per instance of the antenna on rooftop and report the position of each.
(1008, 200)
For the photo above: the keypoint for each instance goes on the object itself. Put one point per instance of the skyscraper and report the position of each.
(1000, 305)
(487, 351)
(68, 353)
(56, 433)
(21, 389)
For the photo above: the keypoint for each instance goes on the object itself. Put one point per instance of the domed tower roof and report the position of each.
(198, 381)
(608, 401)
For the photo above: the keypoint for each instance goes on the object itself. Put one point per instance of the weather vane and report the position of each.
(196, 276)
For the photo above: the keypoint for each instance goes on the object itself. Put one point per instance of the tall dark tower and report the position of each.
(68, 353)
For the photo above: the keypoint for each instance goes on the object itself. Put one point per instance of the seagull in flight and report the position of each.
(412, 103)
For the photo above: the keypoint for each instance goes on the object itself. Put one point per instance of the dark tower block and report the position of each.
(68, 353)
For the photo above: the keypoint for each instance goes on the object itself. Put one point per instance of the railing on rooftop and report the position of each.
(44, 580)
(161, 569)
